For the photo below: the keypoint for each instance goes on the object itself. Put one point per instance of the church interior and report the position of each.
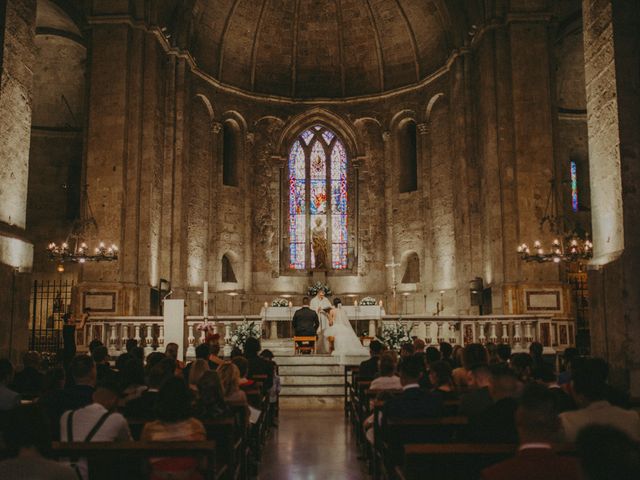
(456, 177)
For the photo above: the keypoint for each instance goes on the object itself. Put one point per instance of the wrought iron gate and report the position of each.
(50, 300)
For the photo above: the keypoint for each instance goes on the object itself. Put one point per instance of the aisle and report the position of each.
(315, 445)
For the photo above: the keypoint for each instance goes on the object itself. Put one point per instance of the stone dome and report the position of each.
(319, 48)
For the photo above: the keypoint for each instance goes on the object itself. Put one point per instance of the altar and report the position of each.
(363, 318)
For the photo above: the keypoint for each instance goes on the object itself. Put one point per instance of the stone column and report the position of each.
(17, 51)
(612, 77)
(426, 266)
(388, 202)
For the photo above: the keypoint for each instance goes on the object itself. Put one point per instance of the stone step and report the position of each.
(312, 390)
(288, 370)
(307, 360)
(332, 380)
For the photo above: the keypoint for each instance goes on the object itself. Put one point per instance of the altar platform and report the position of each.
(309, 381)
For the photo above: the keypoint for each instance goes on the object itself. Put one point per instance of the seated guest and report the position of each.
(440, 378)
(8, 398)
(174, 423)
(473, 354)
(456, 356)
(210, 403)
(130, 344)
(28, 382)
(196, 371)
(492, 352)
(496, 423)
(545, 375)
(96, 422)
(230, 380)
(503, 350)
(432, 355)
(569, 354)
(243, 366)
(257, 365)
(155, 358)
(536, 350)
(387, 379)
(274, 392)
(538, 428)
(93, 344)
(202, 353)
(369, 368)
(419, 345)
(607, 453)
(406, 350)
(413, 402)
(143, 407)
(103, 369)
(52, 386)
(446, 350)
(28, 441)
(171, 351)
(478, 398)
(522, 364)
(589, 389)
(214, 349)
(78, 395)
(132, 381)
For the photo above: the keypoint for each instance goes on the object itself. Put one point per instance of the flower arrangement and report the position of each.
(393, 336)
(244, 331)
(205, 326)
(368, 302)
(316, 287)
(280, 302)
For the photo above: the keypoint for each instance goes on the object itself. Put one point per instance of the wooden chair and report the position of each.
(108, 460)
(299, 348)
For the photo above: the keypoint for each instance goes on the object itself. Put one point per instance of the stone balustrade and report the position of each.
(516, 330)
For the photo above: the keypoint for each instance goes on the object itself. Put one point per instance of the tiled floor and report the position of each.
(314, 445)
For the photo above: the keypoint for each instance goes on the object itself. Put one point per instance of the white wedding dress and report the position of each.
(346, 342)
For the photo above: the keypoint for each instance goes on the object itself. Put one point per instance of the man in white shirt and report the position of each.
(589, 388)
(95, 423)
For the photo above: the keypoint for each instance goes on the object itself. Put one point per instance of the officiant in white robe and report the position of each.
(318, 304)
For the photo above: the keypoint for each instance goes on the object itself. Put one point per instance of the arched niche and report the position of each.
(231, 152)
(410, 265)
(227, 271)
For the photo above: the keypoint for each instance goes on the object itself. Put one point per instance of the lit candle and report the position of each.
(290, 304)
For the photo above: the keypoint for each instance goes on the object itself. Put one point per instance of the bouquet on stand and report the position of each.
(244, 331)
(368, 302)
(316, 287)
(394, 335)
(280, 302)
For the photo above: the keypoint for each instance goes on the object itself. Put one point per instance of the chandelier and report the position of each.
(577, 249)
(80, 252)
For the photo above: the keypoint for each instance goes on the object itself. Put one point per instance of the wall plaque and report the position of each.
(543, 301)
(102, 302)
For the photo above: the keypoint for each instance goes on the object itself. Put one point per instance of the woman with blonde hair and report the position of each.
(230, 379)
(198, 369)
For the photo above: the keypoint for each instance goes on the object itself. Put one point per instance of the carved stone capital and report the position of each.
(386, 136)
(251, 137)
(216, 127)
(423, 128)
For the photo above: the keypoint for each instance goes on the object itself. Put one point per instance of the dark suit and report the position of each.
(369, 368)
(533, 464)
(414, 403)
(495, 424)
(305, 322)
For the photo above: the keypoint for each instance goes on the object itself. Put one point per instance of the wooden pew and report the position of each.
(391, 434)
(109, 460)
(230, 436)
(457, 461)
(349, 370)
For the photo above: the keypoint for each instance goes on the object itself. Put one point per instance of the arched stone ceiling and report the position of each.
(319, 48)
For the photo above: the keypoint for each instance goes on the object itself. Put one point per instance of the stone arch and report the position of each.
(200, 97)
(234, 129)
(431, 105)
(342, 127)
(227, 271)
(404, 131)
(410, 266)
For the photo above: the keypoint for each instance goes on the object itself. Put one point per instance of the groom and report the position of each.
(305, 321)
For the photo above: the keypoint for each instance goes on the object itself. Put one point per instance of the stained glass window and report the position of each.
(574, 186)
(317, 192)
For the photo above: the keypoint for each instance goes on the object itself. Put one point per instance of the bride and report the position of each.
(345, 340)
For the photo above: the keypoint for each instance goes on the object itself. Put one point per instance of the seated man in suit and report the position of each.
(369, 368)
(538, 427)
(305, 321)
(413, 402)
